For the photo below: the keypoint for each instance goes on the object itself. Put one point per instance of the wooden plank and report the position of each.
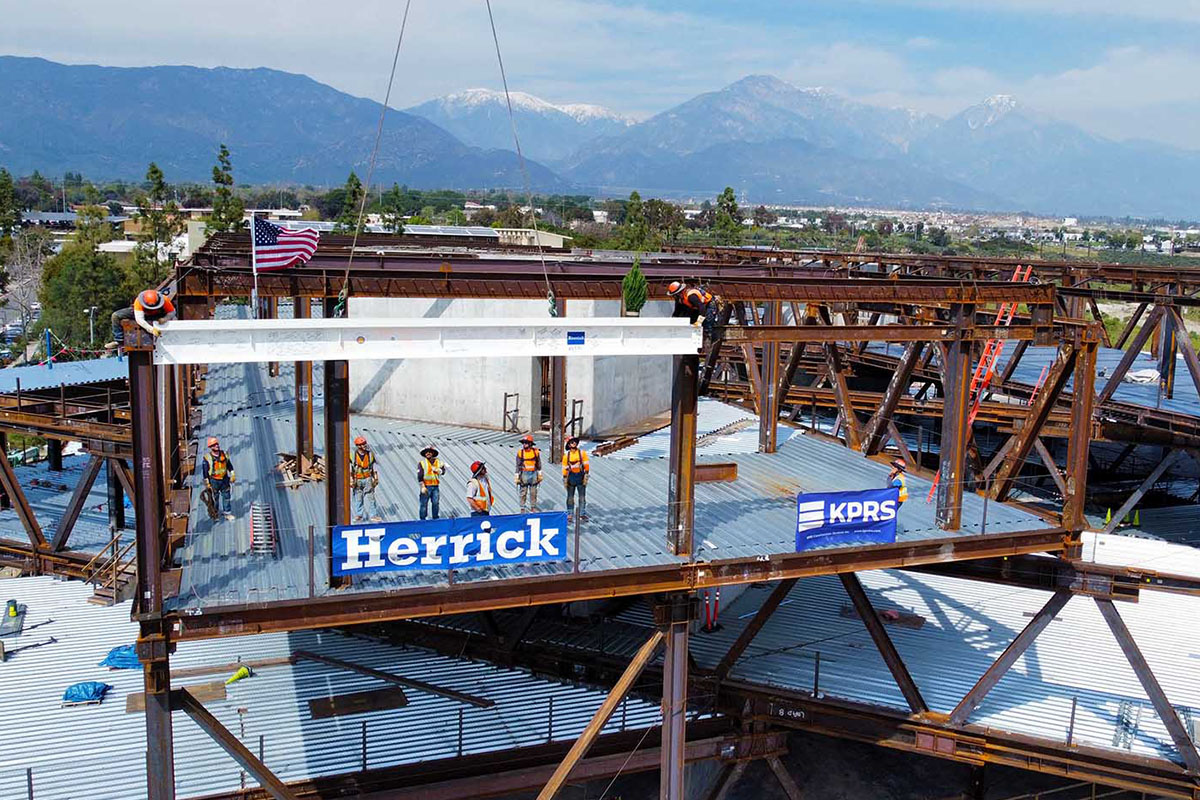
(212, 692)
(343, 705)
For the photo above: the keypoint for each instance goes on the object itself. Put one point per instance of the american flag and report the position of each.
(279, 248)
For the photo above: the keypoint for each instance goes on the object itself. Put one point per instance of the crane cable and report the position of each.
(340, 309)
(524, 169)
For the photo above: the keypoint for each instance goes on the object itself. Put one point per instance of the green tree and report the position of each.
(634, 287)
(10, 211)
(393, 209)
(228, 209)
(91, 225)
(160, 223)
(665, 219)
(73, 281)
(635, 232)
(728, 223)
(763, 216)
(348, 221)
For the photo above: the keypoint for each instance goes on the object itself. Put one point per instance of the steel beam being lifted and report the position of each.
(267, 340)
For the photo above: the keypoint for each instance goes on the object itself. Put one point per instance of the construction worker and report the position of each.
(575, 470)
(898, 480)
(149, 308)
(529, 472)
(219, 476)
(363, 480)
(479, 491)
(690, 301)
(430, 470)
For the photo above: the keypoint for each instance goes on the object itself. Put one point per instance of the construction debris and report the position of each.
(295, 474)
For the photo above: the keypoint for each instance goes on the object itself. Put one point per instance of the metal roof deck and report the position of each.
(49, 503)
(754, 516)
(99, 751)
(65, 373)
(967, 624)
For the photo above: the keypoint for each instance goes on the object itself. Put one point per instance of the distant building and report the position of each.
(531, 238)
(600, 215)
(472, 209)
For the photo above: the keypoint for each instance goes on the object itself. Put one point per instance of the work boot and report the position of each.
(358, 519)
(376, 519)
(229, 516)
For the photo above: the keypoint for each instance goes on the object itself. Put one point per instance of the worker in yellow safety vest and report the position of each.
(363, 480)
(479, 491)
(529, 473)
(429, 475)
(575, 469)
(219, 476)
(897, 478)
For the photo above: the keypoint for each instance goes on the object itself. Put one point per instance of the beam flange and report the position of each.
(243, 341)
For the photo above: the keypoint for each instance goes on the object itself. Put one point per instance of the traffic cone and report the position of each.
(1108, 517)
(243, 672)
(1137, 518)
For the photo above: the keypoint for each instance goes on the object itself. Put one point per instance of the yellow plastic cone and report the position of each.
(1137, 518)
(1108, 517)
(244, 672)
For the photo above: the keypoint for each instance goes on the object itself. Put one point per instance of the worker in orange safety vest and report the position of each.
(219, 476)
(430, 470)
(575, 470)
(529, 473)
(897, 478)
(479, 491)
(363, 480)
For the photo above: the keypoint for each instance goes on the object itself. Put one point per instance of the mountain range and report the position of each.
(770, 140)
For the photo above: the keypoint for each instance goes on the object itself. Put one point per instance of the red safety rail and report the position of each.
(985, 370)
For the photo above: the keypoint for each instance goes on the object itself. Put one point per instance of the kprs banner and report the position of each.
(444, 544)
(843, 518)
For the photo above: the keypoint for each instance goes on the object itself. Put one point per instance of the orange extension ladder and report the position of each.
(985, 370)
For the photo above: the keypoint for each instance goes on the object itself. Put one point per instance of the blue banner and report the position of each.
(445, 544)
(845, 518)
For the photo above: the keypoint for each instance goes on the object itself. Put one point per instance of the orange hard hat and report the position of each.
(212, 441)
(527, 439)
(360, 440)
(675, 288)
(151, 300)
(476, 466)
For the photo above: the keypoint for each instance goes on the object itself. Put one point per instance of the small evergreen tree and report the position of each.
(228, 209)
(634, 287)
(161, 222)
(347, 220)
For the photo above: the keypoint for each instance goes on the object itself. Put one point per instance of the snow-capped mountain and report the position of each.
(548, 132)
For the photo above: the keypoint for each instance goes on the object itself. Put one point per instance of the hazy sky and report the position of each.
(1122, 68)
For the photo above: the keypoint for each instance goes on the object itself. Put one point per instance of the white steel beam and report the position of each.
(260, 340)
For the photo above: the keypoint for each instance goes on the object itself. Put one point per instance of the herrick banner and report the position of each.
(844, 518)
(444, 544)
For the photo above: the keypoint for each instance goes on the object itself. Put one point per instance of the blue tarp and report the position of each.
(86, 692)
(123, 657)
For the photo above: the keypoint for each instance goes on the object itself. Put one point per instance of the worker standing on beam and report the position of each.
(690, 301)
(529, 473)
(575, 469)
(219, 476)
(363, 480)
(430, 470)
(479, 491)
(897, 479)
(149, 308)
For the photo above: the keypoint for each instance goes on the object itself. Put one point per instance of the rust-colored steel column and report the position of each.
(337, 449)
(673, 618)
(304, 400)
(768, 421)
(116, 496)
(558, 397)
(170, 429)
(54, 449)
(5, 500)
(956, 374)
(681, 486)
(271, 311)
(1080, 437)
(152, 645)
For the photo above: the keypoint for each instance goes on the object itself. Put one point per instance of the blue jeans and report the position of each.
(364, 499)
(222, 489)
(432, 494)
(479, 513)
